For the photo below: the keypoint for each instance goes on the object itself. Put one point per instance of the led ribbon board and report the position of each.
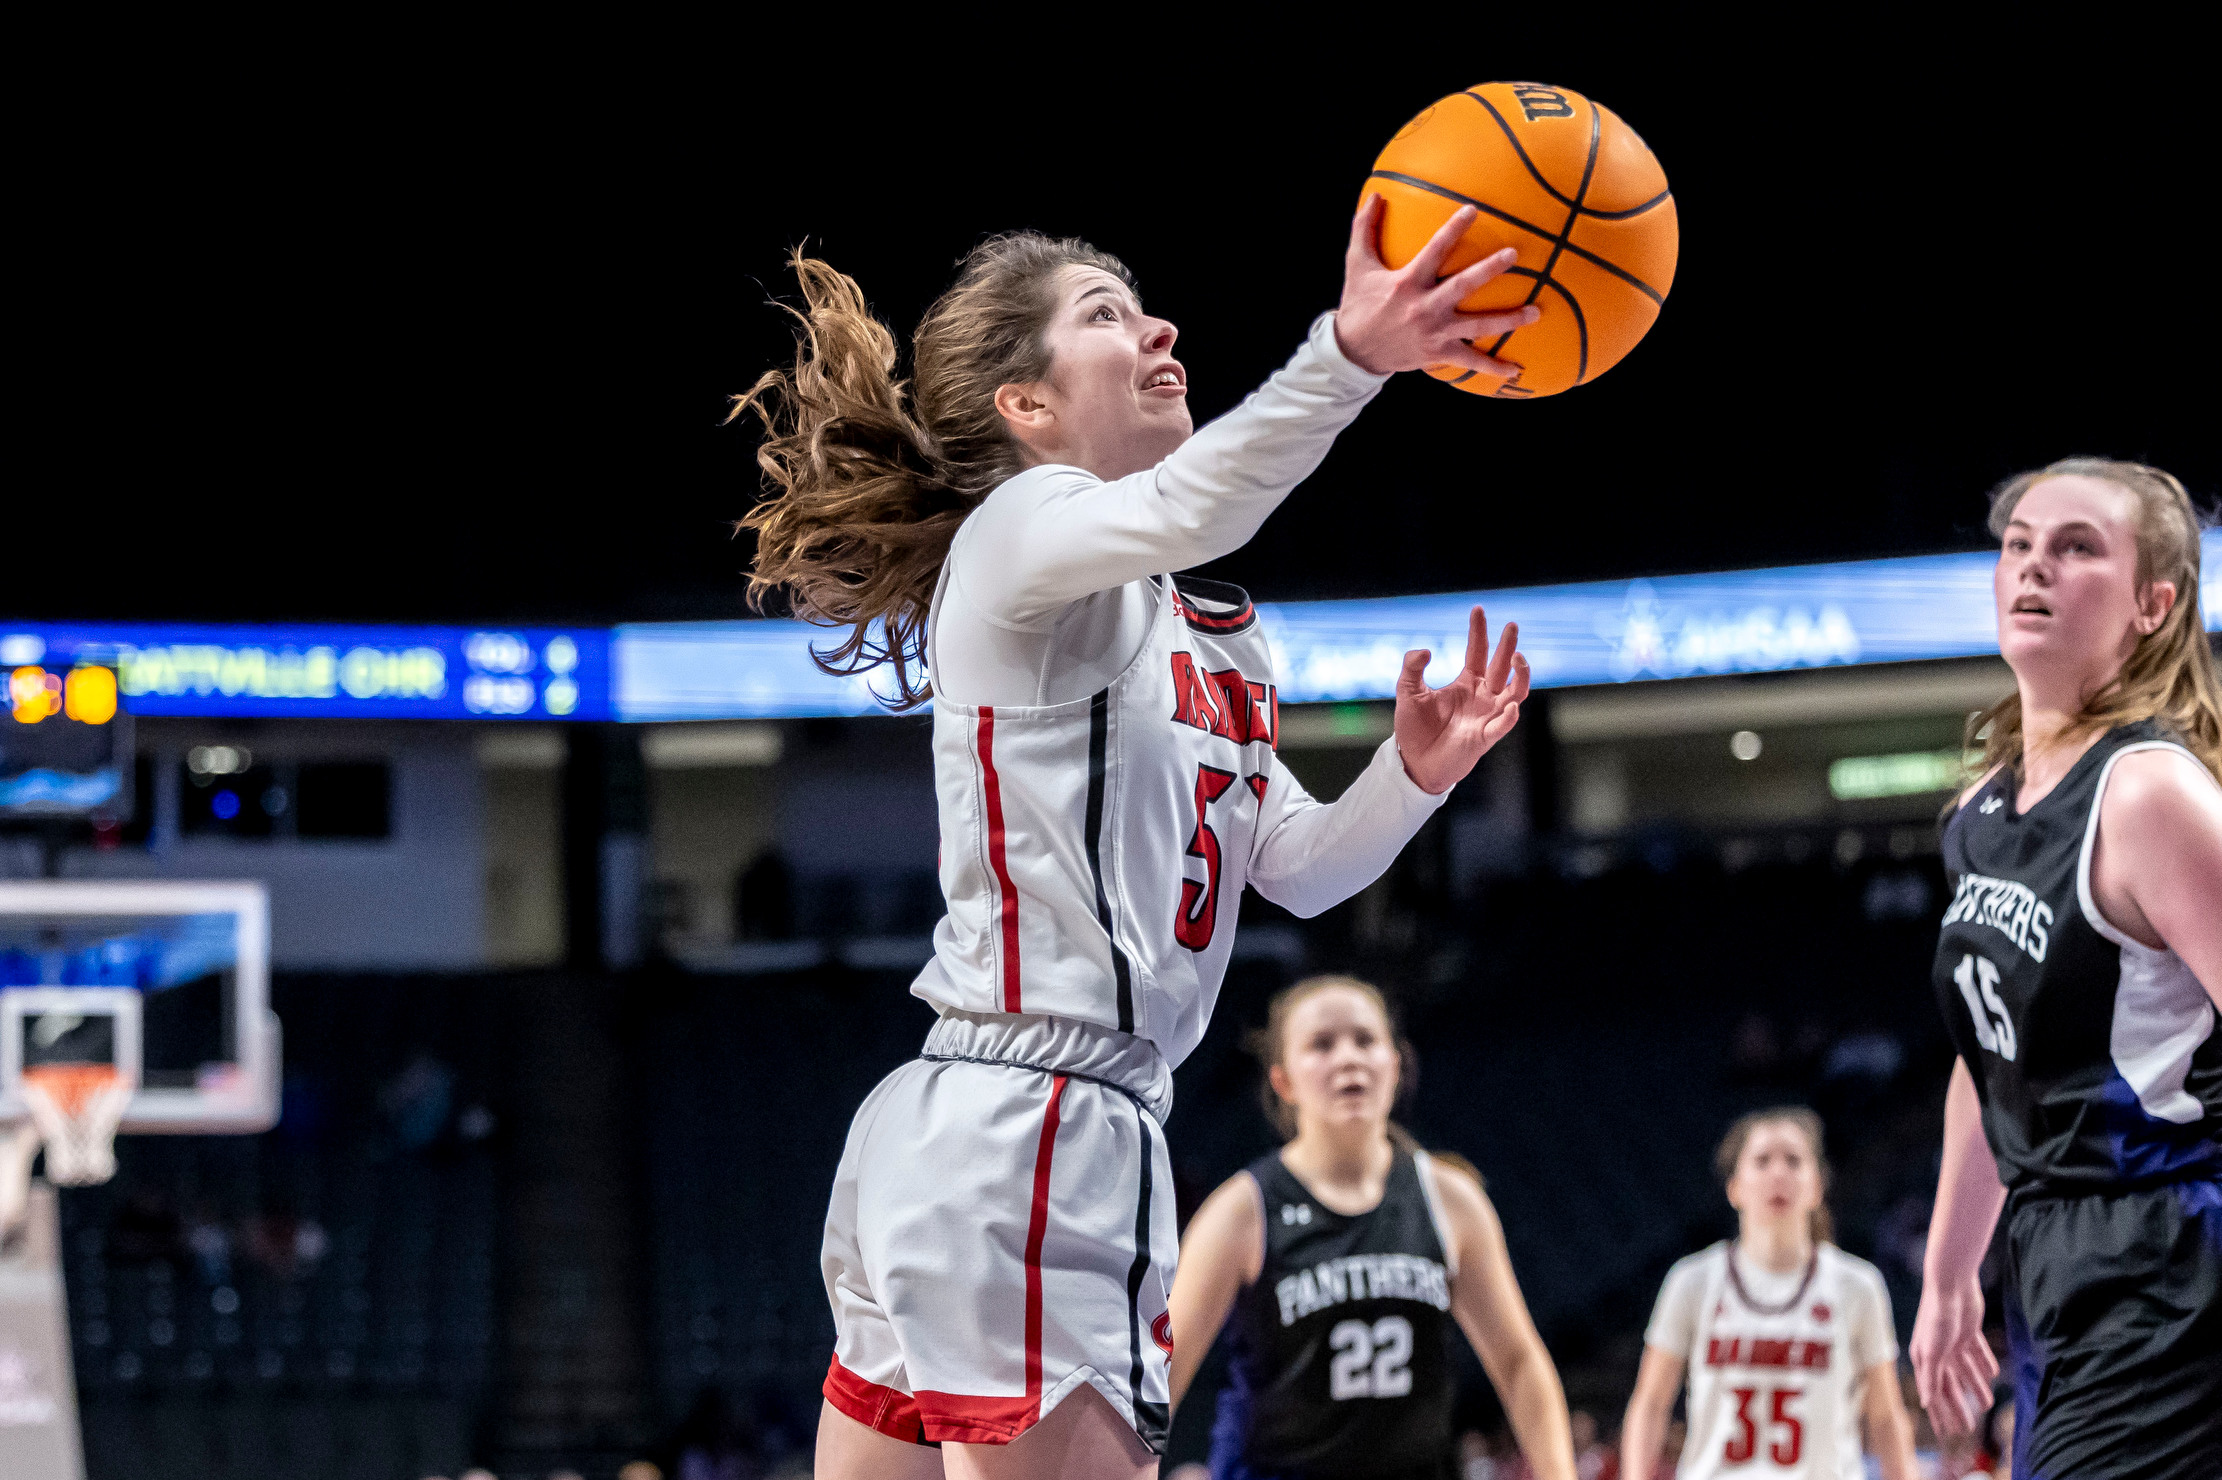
(331, 672)
(1594, 632)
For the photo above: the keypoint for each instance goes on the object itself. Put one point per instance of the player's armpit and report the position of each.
(2157, 868)
(1221, 1253)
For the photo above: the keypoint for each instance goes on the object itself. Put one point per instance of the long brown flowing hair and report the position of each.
(1820, 1223)
(2170, 675)
(867, 474)
(1270, 1044)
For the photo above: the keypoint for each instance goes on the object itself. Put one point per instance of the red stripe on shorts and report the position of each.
(961, 1418)
(994, 789)
(1037, 1224)
(892, 1413)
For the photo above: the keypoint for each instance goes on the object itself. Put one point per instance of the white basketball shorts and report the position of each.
(1002, 1230)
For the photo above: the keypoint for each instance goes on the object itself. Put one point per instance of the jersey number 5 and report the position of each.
(1789, 1442)
(1370, 1361)
(1198, 914)
(1994, 1029)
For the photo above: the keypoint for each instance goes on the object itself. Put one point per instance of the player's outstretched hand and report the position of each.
(1952, 1364)
(1442, 732)
(1402, 318)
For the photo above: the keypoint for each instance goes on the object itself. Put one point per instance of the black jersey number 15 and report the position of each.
(1994, 1026)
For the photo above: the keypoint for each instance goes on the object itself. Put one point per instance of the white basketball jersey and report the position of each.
(1777, 1364)
(1094, 853)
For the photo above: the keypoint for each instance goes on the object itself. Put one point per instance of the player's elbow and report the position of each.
(1293, 896)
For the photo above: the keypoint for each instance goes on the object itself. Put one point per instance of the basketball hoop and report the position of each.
(77, 1108)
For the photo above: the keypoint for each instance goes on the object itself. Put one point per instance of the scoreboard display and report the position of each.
(65, 743)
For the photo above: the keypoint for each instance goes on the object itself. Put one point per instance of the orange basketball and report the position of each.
(1568, 184)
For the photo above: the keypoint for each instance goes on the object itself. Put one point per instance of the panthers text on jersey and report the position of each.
(2099, 1068)
(2096, 1057)
(1340, 1352)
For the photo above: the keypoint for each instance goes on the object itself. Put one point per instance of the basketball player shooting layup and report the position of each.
(1348, 1258)
(2079, 970)
(1786, 1340)
(1001, 1233)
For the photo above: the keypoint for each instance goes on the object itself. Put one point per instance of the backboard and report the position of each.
(77, 955)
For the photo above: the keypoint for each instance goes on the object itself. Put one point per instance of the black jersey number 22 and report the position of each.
(1370, 1361)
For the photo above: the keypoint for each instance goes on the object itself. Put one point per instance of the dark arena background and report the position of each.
(592, 914)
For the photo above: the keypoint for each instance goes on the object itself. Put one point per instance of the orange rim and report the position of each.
(70, 1086)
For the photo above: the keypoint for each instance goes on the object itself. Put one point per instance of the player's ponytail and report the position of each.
(869, 475)
(2170, 675)
(1821, 1224)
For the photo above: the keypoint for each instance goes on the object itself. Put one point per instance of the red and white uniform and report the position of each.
(1104, 740)
(1778, 1363)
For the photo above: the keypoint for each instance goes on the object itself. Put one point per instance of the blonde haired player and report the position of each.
(1346, 1260)
(2079, 968)
(1786, 1339)
(1000, 1238)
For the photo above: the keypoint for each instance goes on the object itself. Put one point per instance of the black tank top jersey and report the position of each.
(2097, 1059)
(1340, 1362)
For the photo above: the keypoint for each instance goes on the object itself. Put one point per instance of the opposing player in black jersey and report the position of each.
(2079, 971)
(1346, 1258)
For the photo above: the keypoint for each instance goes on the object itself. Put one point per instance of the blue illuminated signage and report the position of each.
(1596, 632)
(337, 672)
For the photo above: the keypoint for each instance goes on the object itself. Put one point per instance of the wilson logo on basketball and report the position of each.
(1565, 182)
(1538, 101)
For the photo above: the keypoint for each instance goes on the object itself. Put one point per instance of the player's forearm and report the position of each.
(1247, 461)
(1642, 1435)
(1969, 1194)
(1892, 1439)
(1181, 1374)
(1029, 555)
(1313, 855)
(1889, 1427)
(1536, 1405)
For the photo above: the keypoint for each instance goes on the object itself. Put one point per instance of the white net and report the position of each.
(77, 1108)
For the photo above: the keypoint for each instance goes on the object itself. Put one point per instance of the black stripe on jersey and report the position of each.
(1099, 735)
(1151, 1420)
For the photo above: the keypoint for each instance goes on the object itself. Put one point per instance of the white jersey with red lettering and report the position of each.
(1094, 853)
(1001, 1230)
(1778, 1363)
